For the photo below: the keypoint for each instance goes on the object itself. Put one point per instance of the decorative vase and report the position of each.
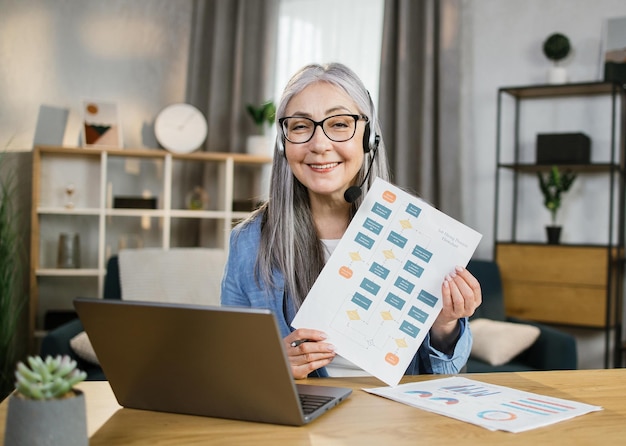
(554, 234)
(557, 75)
(259, 145)
(47, 422)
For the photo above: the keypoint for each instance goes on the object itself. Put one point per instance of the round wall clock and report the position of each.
(180, 128)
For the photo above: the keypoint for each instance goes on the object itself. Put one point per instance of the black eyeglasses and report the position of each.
(338, 128)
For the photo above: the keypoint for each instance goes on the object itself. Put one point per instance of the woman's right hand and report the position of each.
(307, 351)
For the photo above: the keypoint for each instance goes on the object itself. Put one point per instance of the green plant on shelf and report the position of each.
(552, 186)
(262, 114)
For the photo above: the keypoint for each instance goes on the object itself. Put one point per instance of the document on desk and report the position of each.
(380, 291)
(490, 406)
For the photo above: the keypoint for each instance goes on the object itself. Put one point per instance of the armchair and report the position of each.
(57, 341)
(183, 275)
(553, 349)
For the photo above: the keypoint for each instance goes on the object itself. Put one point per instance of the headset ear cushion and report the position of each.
(366, 139)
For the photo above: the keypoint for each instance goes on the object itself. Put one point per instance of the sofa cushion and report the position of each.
(81, 345)
(498, 342)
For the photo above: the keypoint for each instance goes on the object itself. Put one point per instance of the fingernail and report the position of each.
(331, 348)
(446, 284)
(459, 268)
(452, 274)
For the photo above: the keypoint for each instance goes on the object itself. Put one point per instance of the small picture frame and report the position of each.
(613, 53)
(101, 126)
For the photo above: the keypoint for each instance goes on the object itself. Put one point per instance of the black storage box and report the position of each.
(134, 203)
(615, 72)
(563, 148)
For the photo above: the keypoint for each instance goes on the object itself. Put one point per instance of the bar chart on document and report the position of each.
(380, 291)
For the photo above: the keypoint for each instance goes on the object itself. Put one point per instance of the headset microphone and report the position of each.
(354, 192)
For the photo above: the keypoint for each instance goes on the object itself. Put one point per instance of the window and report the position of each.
(321, 31)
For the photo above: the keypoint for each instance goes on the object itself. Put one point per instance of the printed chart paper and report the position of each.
(380, 291)
(487, 405)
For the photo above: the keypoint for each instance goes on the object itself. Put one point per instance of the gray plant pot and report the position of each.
(46, 423)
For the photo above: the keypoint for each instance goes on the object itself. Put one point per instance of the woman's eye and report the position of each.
(299, 126)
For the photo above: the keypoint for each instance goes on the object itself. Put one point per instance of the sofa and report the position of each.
(57, 341)
(552, 350)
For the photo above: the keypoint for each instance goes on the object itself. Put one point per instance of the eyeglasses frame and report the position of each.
(356, 117)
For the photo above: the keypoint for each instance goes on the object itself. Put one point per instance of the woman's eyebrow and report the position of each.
(334, 109)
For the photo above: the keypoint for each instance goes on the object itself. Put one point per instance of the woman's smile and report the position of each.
(323, 167)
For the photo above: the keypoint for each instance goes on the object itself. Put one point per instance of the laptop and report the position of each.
(225, 362)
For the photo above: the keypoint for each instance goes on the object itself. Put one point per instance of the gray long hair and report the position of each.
(289, 241)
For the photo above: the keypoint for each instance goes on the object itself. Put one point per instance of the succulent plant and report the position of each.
(48, 379)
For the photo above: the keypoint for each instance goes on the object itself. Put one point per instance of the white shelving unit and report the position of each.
(231, 180)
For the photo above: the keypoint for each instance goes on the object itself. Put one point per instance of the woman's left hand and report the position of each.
(461, 296)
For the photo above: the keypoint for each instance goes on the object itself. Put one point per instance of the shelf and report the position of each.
(101, 174)
(134, 212)
(66, 272)
(561, 90)
(65, 211)
(533, 168)
(578, 284)
(183, 213)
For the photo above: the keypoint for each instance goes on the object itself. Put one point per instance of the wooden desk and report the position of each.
(369, 419)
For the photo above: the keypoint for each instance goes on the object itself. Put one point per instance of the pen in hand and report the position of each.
(299, 341)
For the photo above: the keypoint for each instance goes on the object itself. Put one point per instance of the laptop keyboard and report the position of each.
(310, 403)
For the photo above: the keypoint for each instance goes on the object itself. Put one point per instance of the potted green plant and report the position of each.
(12, 295)
(263, 116)
(45, 408)
(552, 186)
(556, 47)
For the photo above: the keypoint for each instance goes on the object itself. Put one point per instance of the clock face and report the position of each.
(180, 128)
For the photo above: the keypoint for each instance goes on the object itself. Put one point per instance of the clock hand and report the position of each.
(186, 121)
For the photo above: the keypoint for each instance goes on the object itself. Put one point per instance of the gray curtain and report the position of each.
(231, 64)
(419, 99)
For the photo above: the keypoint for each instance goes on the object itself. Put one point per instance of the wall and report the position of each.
(57, 53)
(502, 47)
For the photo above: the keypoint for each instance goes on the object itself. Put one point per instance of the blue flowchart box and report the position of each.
(417, 314)
(361, 301)
(413, 268)
(372, 225)
(427, 298)
(397, 239)
(370, 286)
(409, 329)
(379, 270)
(404, 285)
(413, 210)
(381, 210)
(364, 240)
(422, 253)
(395, 301)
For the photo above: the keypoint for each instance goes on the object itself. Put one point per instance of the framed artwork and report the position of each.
(101, 125)
(614, 49)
